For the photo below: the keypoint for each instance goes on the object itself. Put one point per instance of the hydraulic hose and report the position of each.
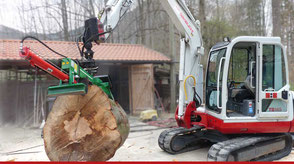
(44, 44)
(186, 97)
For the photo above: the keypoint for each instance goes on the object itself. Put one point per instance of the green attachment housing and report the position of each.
(76, 72)
(67, 89)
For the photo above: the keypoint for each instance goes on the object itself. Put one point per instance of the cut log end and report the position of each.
(87, 127)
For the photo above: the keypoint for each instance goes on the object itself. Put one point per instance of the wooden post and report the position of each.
(35, 98)
(18, 112)
(152, 86)
(130, 90)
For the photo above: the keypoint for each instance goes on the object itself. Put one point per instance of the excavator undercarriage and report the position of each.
(180, 140)
(265, 147)
(252, 148)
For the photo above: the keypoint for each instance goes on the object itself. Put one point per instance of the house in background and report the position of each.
(23, 89)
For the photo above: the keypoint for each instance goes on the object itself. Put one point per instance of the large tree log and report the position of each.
(85, 128)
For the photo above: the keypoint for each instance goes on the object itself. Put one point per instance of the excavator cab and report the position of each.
(248, 113)
(247, 79)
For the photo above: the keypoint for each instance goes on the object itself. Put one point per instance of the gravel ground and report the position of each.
(25, 144)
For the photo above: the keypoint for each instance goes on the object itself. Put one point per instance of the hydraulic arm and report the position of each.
(112, 14)
(73, 78)
(94, 107)
(191, 49)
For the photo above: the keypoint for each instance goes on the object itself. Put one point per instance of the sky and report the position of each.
(9, 12)
(9, 15)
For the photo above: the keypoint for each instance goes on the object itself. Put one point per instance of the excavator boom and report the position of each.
(190, 52)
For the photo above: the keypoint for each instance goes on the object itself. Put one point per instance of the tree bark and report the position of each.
(202, 17)
(276, 12)
(64, 20)
(85, 128)
(142, 22)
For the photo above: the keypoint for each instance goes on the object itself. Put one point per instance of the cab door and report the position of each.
(273, 96)
(214, 76)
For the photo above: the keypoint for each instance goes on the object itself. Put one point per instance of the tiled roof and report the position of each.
(9, 50)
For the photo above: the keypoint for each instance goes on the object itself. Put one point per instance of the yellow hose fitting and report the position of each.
(185, 84)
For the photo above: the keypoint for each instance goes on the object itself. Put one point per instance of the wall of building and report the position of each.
(22, 105)
(120, 83)
(24, 100)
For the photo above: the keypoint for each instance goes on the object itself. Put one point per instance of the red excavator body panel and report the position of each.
(213, 123)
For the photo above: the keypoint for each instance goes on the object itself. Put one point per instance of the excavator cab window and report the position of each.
(274, 71)
(238, 70)
(241, 80)
(273, 77)
(214, 66)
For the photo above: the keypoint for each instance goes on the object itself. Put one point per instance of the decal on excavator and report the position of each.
(275, 109)
(185, 20)
(271, 95)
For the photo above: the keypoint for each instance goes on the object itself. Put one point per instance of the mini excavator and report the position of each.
(248, 111)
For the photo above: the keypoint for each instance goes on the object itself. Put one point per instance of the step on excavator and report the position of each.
(248, 111)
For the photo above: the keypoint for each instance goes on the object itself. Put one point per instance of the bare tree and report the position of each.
(276, 14)
(64, 20)
(141, 21)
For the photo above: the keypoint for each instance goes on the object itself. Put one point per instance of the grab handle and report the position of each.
(218, 79)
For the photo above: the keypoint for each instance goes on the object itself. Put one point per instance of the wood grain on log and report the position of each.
(87, 127)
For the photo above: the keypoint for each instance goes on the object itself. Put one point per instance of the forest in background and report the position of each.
(148, 24)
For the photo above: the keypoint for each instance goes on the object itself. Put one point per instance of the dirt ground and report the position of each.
(25, 144)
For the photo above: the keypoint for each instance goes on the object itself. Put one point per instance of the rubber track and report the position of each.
(282, 153)
(215, 148)
(221, 151)
(166, 137)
